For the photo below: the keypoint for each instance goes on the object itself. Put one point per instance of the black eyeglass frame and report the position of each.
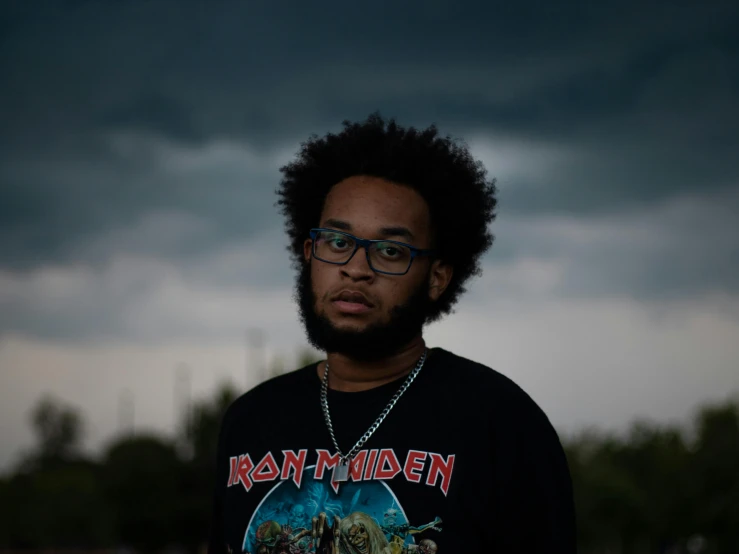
(366, 243)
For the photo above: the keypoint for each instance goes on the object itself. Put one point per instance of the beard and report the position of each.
(377, 340)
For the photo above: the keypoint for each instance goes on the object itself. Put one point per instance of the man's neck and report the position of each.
(351, 375)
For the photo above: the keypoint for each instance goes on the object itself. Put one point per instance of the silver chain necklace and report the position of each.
(341, 471)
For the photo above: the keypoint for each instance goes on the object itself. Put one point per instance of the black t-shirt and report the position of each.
(465, 462)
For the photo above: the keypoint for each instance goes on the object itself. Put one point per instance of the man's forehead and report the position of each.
(380, 229)
(378, 206)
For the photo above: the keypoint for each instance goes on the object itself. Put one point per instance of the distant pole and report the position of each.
(121, 411)
(254, 358)
(182, 395)
(125, 412)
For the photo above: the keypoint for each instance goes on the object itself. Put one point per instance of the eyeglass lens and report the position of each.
(386, 256)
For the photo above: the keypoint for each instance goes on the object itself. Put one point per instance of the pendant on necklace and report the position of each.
(341, 471)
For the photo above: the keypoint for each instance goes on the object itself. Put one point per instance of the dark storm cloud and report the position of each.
(248, 69)
(646, 96)
(157, 114)
(48, 209)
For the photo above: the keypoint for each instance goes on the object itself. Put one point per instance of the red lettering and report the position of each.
(370, 464)
(266, 469)
(440, 467)
(234, 460)
(387, 458)
(414, 465)
(296, 462)
(357, 465)
(325, 461)
(242, 472)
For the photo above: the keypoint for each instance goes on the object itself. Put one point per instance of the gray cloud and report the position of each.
(227, 185)
(683, 248)
(157, 114)
(681, 251)
(115, 113)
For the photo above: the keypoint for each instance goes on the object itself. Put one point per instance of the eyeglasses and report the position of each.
(383, 256)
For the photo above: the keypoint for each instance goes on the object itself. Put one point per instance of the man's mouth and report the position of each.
(351, 307)
(352, 302)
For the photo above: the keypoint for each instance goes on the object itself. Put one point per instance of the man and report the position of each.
(388, 446)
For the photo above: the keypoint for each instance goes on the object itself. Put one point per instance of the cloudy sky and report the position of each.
(140, 143)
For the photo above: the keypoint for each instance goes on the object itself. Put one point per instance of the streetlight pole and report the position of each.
(255, 340)
(182, 401)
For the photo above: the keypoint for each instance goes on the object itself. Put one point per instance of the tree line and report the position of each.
(656, 489)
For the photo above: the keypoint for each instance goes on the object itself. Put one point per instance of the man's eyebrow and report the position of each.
(343, 225)
(396, 232)
(384, 231)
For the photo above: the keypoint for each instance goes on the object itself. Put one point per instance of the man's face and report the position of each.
(367, 207)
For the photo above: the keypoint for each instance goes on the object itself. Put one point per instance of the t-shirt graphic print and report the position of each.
(306, 511)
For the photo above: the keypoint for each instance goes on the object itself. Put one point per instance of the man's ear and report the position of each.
(307, 250)
(441, 275)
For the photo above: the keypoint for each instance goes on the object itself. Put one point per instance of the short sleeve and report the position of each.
(533, 504)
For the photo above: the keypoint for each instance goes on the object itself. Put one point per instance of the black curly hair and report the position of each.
(461, 199)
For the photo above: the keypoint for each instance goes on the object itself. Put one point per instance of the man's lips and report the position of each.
(351, 307)
(353, 297)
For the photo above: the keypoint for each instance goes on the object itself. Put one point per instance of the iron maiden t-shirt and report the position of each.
(465, 462)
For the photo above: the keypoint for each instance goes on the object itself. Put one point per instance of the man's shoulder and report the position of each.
(263, 396)
(476, 381)
(472, 374)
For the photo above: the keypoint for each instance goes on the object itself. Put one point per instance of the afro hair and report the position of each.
(461, 199)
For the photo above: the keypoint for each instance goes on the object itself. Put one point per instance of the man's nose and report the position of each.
(358, 267)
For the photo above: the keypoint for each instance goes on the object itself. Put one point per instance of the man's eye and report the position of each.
(390, 251)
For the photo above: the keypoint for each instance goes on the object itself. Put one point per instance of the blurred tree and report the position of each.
(715, 470)
(200, 435)
(659, 459)
(5, 514)
(142, 478)
(59, 430)
(610, 507)
(203, 423)
(655, 491)
(61, 507)
(54, 498)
